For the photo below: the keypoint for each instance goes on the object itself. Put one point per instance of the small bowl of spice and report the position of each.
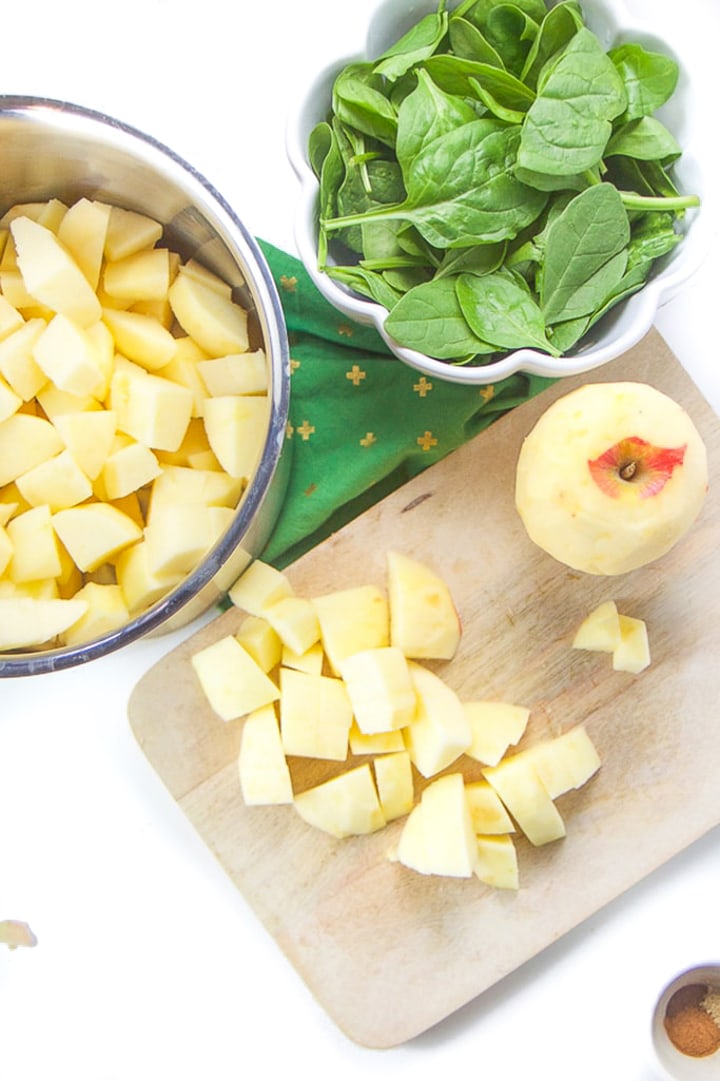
(686, 1025)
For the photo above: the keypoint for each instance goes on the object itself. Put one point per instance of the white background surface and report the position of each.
(149, 964)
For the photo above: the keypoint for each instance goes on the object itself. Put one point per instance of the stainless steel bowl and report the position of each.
(54, 149)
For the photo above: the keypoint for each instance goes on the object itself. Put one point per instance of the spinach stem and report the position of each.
(658, 202)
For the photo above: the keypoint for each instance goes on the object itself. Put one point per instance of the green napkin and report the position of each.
(361, 422)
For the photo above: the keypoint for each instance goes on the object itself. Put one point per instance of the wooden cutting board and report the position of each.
(388, 952)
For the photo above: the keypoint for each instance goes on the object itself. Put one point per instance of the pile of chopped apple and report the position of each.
(344, 678)
(132, 412)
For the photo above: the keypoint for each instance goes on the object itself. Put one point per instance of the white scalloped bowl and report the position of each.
(628, 322)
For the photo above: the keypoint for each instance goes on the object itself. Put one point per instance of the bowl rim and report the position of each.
(690, 255)
(246, 251)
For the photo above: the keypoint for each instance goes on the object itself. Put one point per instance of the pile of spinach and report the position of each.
(496, 179)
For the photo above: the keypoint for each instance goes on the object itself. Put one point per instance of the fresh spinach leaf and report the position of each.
(645, 139)
(585, 253)
(568, 125)
(429, 318)
(500, 310)
(456, 75)
(511, 32)
(469, 43)
(426, 114)
(650, 78)
(360, 102)
(560, 24)
(412, 48)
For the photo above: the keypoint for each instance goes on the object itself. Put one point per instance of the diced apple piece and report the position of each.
(497, 863)
(438, 837)
(25, 441)
(35, 549)
(439, 732)
(488, 812)
(352, 620)
(315, 715)
(141, 586)
(183, 368)
(94, 533)
(632, 653)
(106, 611)
(6, 548)
(237, 373)
(194, 269)
(215, 322)
(58, 482)
(495, 726)
(311, 660)
(377, 743)
(526, 798)
(259, 586)
(27, 621)
(88, 435)
(10, 402)
(236, 428)
(261, 642)
(129, 468)
(10, 318)
(344, 806)
(394, 782)
(83, 231)
(51, 275)
(17, 363)
(144, 275)
(424, 622)
(564, 762)
(49, 212)
(179, 536)
(129, 231)
(262, 766)
(182, 484)
(600, 630)
(295, 621)
(233, 683)
(381, 689)
(153, 410)
(69, 357)
(140, 338)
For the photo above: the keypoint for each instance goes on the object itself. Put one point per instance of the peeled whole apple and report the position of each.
(611, 476)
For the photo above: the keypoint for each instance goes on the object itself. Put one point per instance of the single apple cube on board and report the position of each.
(526, 798)
(311, 660)
(345, 806)
(262, 766)
(377, 743)
(295, 621)
(352, 620)
(261, 642)
(381, 689)
(632, 653)
(487, 809)
(259, 586)
(439, 732)
(496, 863)
(315, 715)
(495, 726)
(600, 630)
(394, 781)
(232, 682)
(438, 837)
(564, 762)
(424, 622)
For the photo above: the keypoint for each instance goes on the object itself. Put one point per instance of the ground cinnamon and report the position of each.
(691, 1029)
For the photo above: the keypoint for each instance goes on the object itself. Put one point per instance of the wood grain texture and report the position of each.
(388, 952)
